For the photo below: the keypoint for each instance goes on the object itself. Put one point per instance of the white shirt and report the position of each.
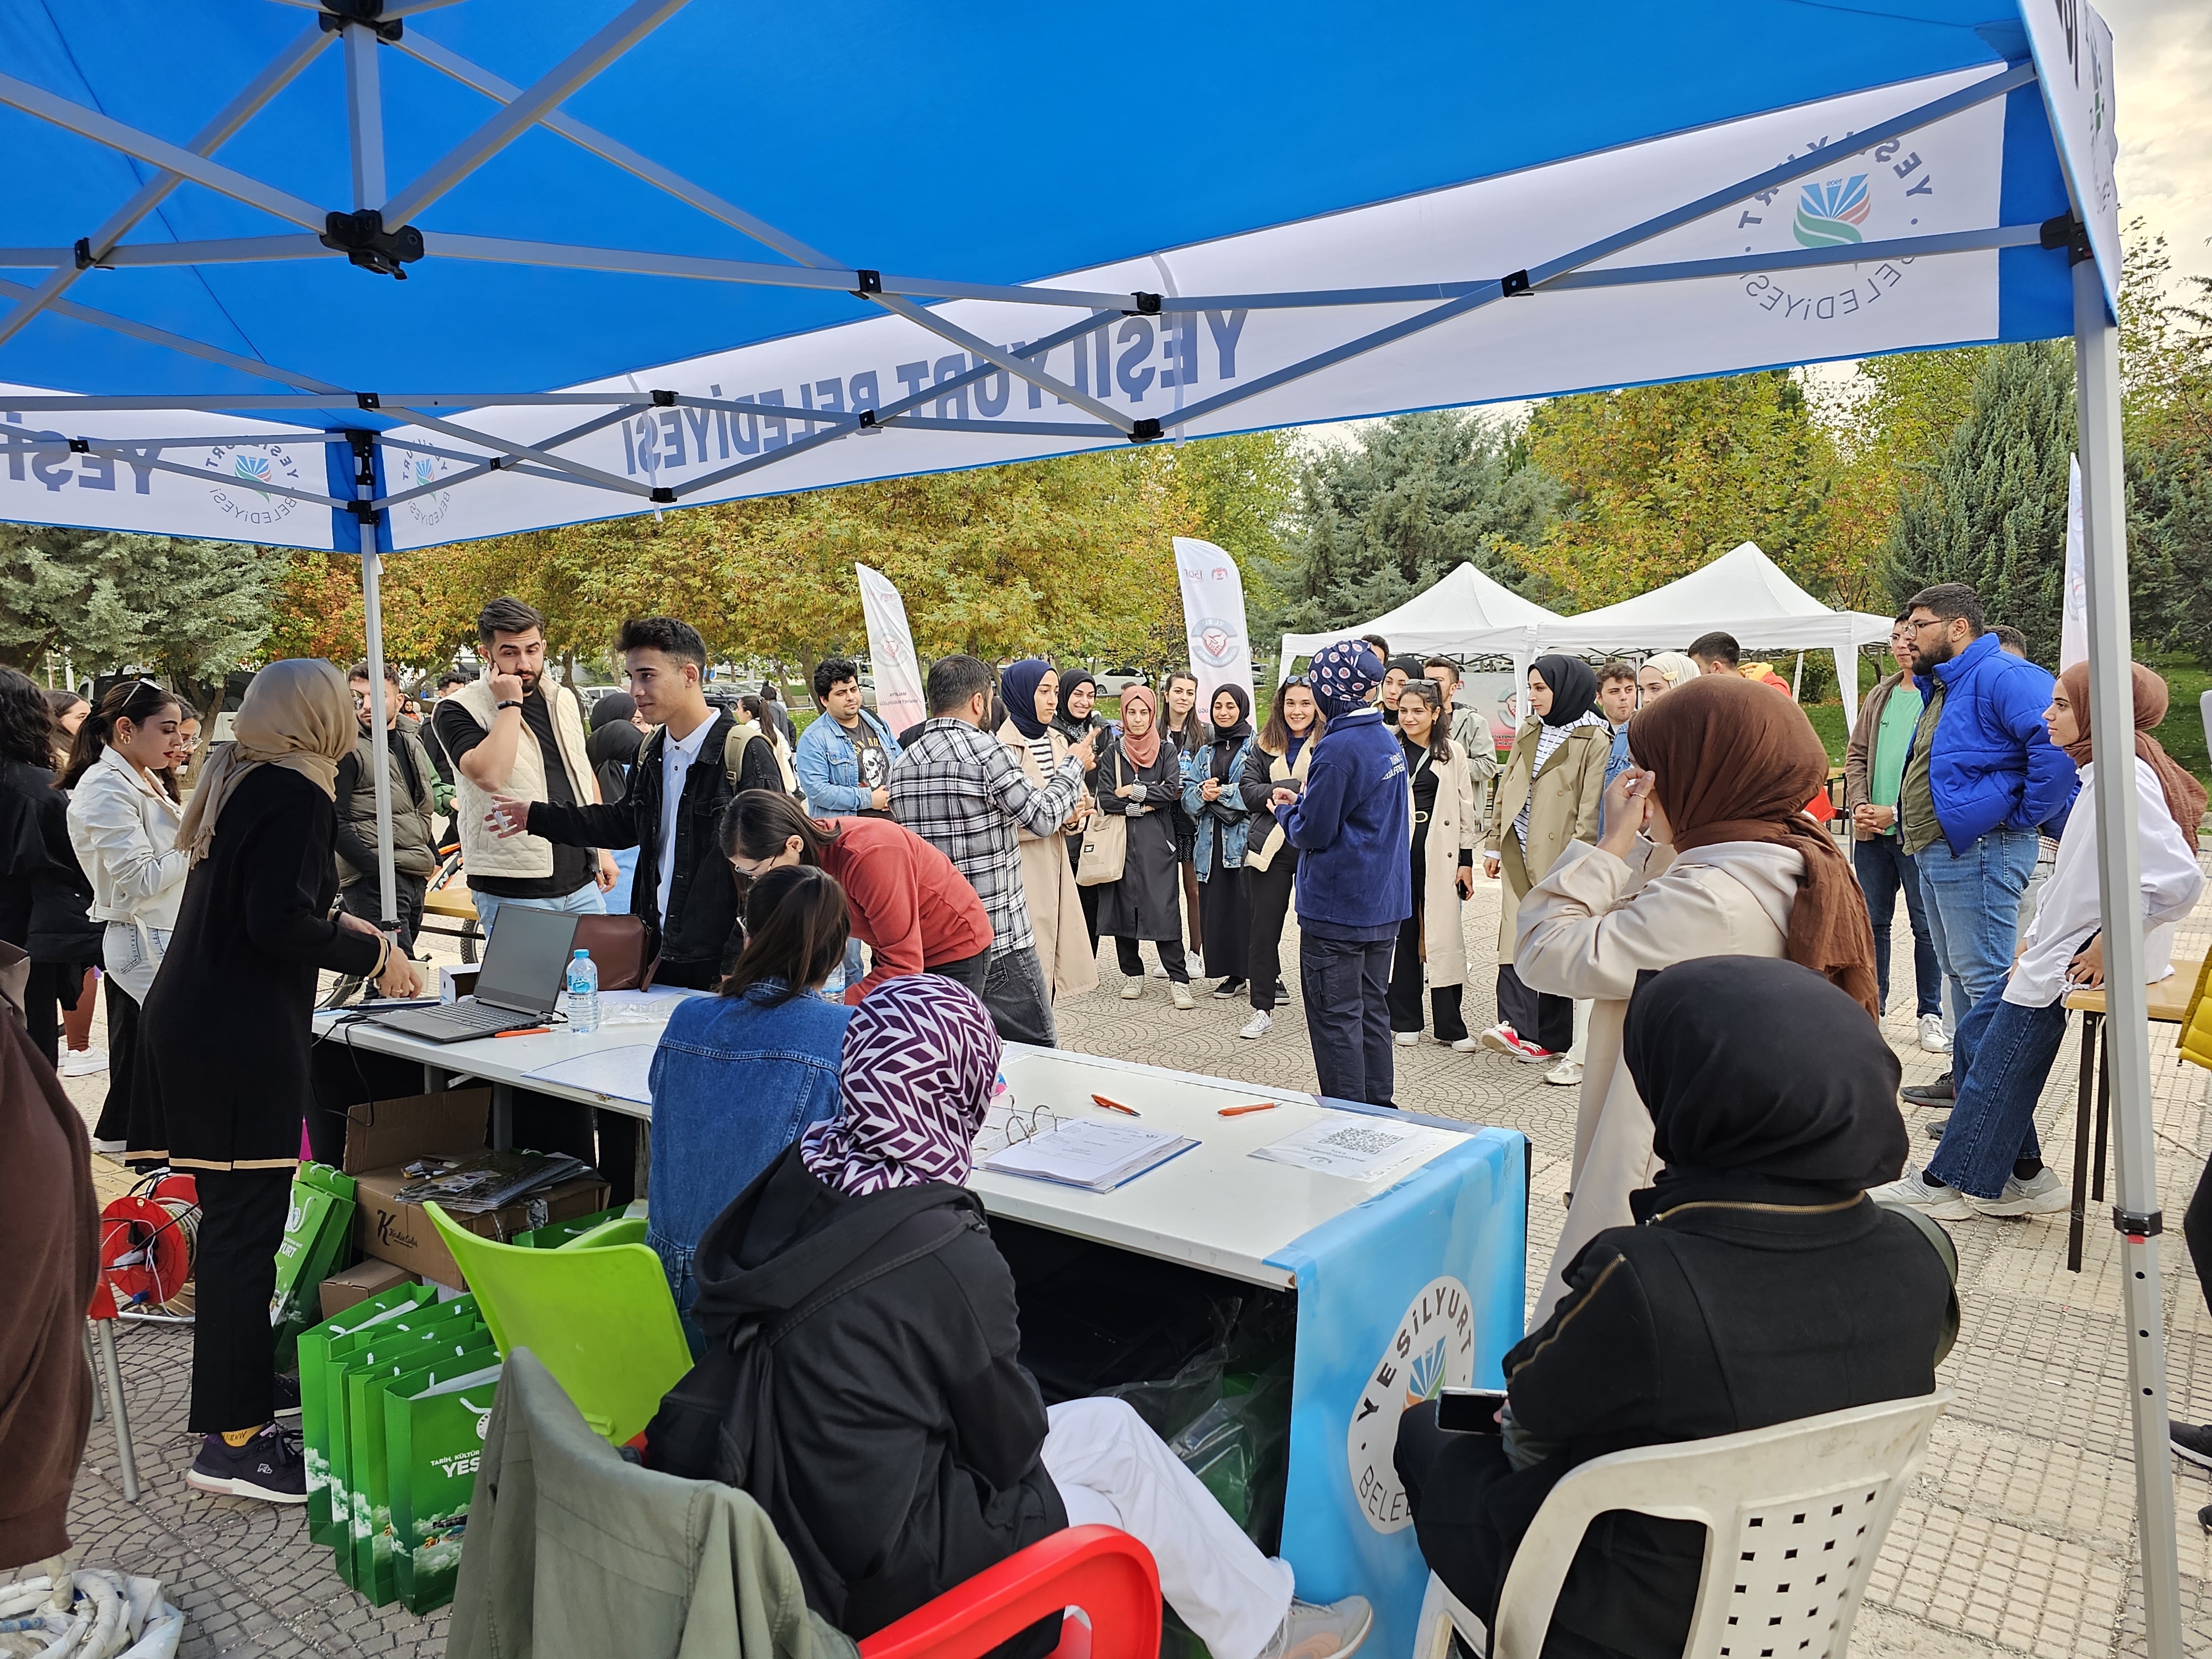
(2071, 907)
(676, 758)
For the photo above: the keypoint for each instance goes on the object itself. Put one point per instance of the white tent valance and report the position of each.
(1464, 615)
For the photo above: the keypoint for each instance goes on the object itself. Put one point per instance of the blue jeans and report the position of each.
(1884, 868)
(586, 901)
(1972, 903)
(1993, 1120)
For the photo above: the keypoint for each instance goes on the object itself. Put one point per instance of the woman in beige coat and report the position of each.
(1548, 797)
(1445, 833)
(1751, 876)
(1030, 689)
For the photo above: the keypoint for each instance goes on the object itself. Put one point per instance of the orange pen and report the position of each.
(1117, 1106)
(1239, 1111)
(534, 1030)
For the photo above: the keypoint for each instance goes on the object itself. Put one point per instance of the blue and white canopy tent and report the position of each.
(656, 256)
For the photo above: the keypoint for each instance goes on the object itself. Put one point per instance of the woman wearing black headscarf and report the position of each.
(1213, 802)
(1078, 717)
(613, 745)
(1763, 1286)
(1549, 795)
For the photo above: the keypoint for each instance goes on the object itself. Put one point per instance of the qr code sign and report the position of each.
(1363, 1143)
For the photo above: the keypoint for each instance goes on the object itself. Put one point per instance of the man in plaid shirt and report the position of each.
(962, 790)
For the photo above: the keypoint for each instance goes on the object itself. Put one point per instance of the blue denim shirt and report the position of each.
(735, 1081)
(829, 769)
(1615, 763)
(1228, 810)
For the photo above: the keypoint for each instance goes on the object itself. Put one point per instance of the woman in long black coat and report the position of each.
(1139, 780)
(225, 1034)
(1762, 1286)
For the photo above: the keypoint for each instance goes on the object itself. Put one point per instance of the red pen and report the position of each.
(534, 1030)
(1239, 1111)
(1117, 1106)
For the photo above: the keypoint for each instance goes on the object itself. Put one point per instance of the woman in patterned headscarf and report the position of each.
(895, 1442)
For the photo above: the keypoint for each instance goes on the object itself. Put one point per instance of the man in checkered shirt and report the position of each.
(962, 790)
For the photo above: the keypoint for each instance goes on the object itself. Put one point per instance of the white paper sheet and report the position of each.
(617, 1073)
(1357, 1148)
(1083, 1154)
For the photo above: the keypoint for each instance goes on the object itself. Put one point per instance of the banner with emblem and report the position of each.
(1214, 620)
(894, 668)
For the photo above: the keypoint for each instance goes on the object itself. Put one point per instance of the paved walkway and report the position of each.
(2018, 1536)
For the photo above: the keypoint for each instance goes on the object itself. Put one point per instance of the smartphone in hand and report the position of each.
(1470, 1411)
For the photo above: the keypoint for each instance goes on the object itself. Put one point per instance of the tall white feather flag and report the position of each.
(891, 651)
(1214, 620)
(2074, 612)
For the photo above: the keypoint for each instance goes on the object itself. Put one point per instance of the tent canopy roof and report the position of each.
(1466, 614)
(1742, 592)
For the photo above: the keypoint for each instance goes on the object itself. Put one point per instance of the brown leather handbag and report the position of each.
(621, 948)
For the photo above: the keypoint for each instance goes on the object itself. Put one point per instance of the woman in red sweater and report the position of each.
(910, 907)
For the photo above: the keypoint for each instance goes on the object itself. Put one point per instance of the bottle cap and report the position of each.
(584, 954)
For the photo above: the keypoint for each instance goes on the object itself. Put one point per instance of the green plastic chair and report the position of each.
(598, 1314)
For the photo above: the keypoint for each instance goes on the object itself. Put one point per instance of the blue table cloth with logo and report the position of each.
(1423, 1287)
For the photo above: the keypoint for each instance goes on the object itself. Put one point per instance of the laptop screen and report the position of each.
(526, 960)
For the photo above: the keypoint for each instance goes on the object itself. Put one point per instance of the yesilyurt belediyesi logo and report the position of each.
(1830, 212)
(407, 470)
(241, 470)
(1432, 1348)
(1216, 642)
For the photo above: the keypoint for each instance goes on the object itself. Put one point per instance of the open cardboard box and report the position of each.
(384, 1137)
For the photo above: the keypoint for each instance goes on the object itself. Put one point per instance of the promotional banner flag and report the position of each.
(2073, 613)
(890, 651)
(1213, 619)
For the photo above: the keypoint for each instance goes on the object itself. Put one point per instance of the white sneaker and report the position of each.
(1468, 1045)
(1159, 973)
(1310, 1631)
(1943, 1203)
(1566, 1073)
(1408, 1039)
(1132, 990)
(83, 1062)
(112, 1148)
(2046, 1194)
(1182, 996)
(1933, 1037)
(1195, 964)
(1259, 1025)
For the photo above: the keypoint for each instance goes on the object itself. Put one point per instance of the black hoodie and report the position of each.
(897, 1451)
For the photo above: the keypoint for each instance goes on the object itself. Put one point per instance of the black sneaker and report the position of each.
(287, 1396)
(1938, 1093)
(1934, 1126)
(1229, 988)
(2191, 1442)
(267, 1466)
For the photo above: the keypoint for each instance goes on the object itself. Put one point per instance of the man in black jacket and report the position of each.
(683, 891)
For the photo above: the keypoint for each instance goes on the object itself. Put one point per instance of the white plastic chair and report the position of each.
(1795, 1515)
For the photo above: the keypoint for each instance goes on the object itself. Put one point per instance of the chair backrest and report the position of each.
(1796, 1515)
(600, 1318)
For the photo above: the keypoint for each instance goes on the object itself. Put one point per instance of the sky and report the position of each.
(2162, 99)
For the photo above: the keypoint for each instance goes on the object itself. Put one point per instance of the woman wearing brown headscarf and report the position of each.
(1723, 768)
(1139, 780)
(226, 1036)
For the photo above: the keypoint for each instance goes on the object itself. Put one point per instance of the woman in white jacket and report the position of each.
(1730, 765)
(122, 825)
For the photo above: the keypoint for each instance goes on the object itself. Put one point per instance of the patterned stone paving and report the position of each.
(2017, 1538)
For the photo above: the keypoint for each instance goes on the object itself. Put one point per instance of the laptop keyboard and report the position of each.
(477, 1015)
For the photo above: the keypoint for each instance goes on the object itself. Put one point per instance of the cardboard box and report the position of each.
(404, 1235)
(457, 980)
(382, 1133)
(360, 1282)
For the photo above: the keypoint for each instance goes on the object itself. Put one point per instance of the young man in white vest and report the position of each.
(514, 732)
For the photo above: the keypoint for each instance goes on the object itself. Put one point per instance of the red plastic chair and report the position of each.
(1101, 1569)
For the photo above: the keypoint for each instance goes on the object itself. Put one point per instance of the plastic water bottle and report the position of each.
(583, 994)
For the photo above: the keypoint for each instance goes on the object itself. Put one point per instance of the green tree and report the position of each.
(1384, 516)
(1991, 512)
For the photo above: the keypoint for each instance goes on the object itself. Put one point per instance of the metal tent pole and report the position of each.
(2127, 1028)
(372, 600)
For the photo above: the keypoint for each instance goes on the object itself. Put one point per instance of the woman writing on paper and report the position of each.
(907, 1450)
(1139, 781)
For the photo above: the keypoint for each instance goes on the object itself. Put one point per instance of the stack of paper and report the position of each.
(1096, 1157)
(1360, 1148)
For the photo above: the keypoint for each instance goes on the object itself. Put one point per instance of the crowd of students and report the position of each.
(1656, 829)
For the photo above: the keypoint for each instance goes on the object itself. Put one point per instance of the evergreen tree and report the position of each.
(1991, 511)
(1408, 499)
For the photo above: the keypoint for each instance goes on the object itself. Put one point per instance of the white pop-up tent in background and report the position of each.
(1651, 193)
(1463, 614)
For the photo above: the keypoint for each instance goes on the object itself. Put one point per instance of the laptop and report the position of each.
(525, 963)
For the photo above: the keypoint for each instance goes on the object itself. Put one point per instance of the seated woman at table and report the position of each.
(1762, 1286)
(891, 1431)
(738, 1076)
(1990, 1162)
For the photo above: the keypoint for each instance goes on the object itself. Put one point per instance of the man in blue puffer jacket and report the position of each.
(1351, 825)
(1981, 782)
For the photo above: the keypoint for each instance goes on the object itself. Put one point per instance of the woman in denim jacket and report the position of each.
(738, 1077)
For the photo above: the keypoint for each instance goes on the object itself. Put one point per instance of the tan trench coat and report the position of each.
(1063, 942)
(1587, 929)
(1567, 795)
(1454, 823)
